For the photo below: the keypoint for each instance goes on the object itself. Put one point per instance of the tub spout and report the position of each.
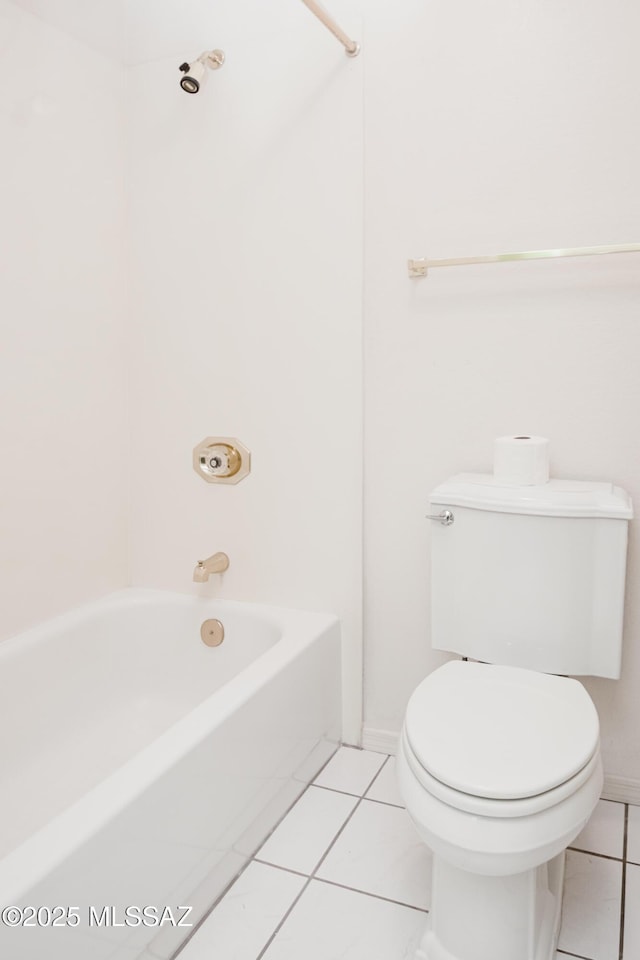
(218, 563)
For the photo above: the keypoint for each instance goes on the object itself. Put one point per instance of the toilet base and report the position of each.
(475, 917)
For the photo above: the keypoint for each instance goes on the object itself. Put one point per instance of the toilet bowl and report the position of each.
(500, 769)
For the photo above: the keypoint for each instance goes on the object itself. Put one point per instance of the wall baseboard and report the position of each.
(622, 789)
(380, 741)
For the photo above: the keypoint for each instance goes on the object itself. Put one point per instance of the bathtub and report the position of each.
(141, 768)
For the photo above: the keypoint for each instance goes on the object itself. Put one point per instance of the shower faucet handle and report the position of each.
(445, 517)
(222, 460)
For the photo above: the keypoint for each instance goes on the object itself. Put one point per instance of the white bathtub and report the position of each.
(141, 768)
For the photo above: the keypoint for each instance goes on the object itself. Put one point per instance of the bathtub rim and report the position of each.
(40, 854)
(141, 596)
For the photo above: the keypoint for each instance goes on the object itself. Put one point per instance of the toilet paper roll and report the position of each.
(521, 461)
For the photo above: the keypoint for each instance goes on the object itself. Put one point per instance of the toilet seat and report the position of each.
(497, 809)
(481, 734)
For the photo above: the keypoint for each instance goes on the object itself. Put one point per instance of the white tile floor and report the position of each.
(344, 877)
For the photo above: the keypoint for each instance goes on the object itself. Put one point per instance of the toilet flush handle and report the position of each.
(445, 517)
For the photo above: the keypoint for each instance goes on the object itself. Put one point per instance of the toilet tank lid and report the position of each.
(557, 498)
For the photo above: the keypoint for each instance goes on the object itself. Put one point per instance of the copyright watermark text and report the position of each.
(103, 916)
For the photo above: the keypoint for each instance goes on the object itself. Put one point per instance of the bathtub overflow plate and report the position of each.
(212, 633)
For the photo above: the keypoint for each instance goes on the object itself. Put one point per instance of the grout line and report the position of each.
(367, 893)
(623, 890)
(382, 766)
(343, 827)
(311, 876)
(334, 841)
(385, 803)
(345, 793)
(313, 872)
(592, 853)
(271, 832)
(278, 866)
(282, 921)
(376, 775)
(342, 886)
(350, 793)
(578, 956)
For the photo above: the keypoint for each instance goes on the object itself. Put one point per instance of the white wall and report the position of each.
(100, 24)
(62, 416)
(495, 127)
(246, 218)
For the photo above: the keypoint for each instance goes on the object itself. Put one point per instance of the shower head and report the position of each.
(195, 74)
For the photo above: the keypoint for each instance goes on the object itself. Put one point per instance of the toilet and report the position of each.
(499, 758)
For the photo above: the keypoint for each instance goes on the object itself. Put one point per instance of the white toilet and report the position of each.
(499, 759)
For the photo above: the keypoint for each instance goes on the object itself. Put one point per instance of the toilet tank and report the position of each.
(530, 576)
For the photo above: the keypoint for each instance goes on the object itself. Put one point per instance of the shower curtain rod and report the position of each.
(352, 48)
(420, 268)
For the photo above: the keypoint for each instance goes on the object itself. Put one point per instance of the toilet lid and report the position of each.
(500, 732)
